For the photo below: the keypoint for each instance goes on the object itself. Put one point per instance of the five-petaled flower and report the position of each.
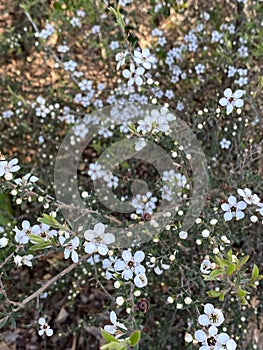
(130, 264)
(212, 316)
(233, 209)
(98, 240)
(70, 246)
(134, 75)
(232, 100)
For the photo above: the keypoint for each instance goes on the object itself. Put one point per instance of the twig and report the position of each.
(50, 282)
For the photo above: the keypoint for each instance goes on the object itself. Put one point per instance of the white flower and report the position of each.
(112, 181)
(144, 58)
(140, 280)
(21, 236)
(212, 316)
(130, 264)
(233, 209)
(45, 33)
(98, 240)
(145, 125)
(212, 341)
(225, 144)
(120, 58)
(134, 75)
(108, 264)
(70, 65)
(144, 204)
(114, 328)
(23, 260)
(43, 231)
(85, 85)
(248, 197)
(7, 168)
(162, 119)
(205, 267)
(70, 247)
(3, 242)
(232, 100)
(140, 144)
(96, 171)
(26, 180)
(44, 327)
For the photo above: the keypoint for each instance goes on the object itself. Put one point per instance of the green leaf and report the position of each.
(6, 210)
(214, 293)
(215, 273)
(114, 346)
(255, 273)
(241, 293)
(35, 239)
(42, 245)
(221, 262)
(108, 337)
(3, 321)
(244, 260)
(221, 296)
(231, 269)
(12, 321)
(230, 255)
(135, 338)
(50, 220)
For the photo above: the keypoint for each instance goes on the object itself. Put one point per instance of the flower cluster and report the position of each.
(236, 208)
(129, 266)
(209, 336)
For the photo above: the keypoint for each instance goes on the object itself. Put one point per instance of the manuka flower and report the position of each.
(212, 316)
(232, 100)
(98, 240)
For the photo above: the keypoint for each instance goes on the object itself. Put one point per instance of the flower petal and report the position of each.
(139, 256)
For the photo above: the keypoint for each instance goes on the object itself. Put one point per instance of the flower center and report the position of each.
(213, 318)
(211, 341)
(231, 99)
(130, 264)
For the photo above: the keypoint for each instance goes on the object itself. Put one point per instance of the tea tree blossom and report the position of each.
(109, 265)
(248, 197)
(214, 341)
(44, 327)
(212, 316)
(96, 171)
(134, 75)
(144, 58)
(70, 246)
(231, 100)
(46, 32)
(130, 264)
(27, 180)
(120, 58)
(205, 267)
(98, 240)
(233, 209)
(8, 167)
(23, 260)
(225, 144)
(21, 236)
(144, 204)
(70, 65)
(117, 329)
(44, 231)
